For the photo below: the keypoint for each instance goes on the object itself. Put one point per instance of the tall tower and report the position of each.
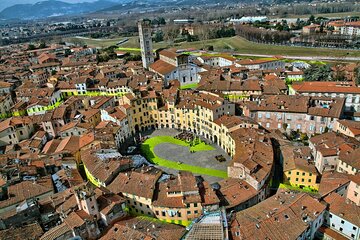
(145, 42)
(86, 200)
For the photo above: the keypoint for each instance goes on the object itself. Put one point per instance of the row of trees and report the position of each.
(106, 54)
(171, 33)
(357, 76)
(284, 26)
(284, 10)
(262, 35)
(158, 21)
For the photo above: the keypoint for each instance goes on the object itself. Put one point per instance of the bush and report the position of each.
(133, 57)
(179, 40)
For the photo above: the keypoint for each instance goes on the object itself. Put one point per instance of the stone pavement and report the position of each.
(182, 154)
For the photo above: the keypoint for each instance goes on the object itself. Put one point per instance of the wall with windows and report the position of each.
(139, 205)
(293, 121)
(340, 128)
(298, 178)
(186, 74)
(8, 136)
(353, 193)
(179, 215)
(342, 226)
(352, 102)
(343, 167)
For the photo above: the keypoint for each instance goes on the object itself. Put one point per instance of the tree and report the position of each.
(170, 33)
(42, 45)
(357, 75)
(67, 52)
(31, 47)
(279, 27)
(311, 19)
(159, 36)
(203, 33)
(262, 35)
(318, 73)
(133, 58)
(293, 135)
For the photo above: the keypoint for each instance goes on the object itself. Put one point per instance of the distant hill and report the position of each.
(52, 8)
(8, 3)
(125, 5)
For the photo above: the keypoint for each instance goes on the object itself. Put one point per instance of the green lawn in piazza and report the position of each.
(147, 149)
(189, 86)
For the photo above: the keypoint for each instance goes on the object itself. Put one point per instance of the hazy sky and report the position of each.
(8, 3)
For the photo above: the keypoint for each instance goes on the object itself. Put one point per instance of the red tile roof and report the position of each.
(162, 67)
(343, 209)
(324, 87)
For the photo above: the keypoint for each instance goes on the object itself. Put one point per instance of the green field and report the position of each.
(241, 45)
(237, 44)
(133, 41)
(189, 86)
(147, 149)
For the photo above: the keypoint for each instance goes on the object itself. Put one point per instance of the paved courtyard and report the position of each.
(182, 154)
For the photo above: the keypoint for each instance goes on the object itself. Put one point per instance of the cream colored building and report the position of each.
(348, 128)
(353, 193)
(348, 161)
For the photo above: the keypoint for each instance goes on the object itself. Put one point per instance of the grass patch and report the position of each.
(294, 188)
(156, 220)
(189, 86)
(132, 212)
(129, 49)
(147, 149)
(103, 43)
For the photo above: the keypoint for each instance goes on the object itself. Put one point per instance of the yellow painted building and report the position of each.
(91, 116)
(191, 112)
(143, 112)
(301, 177)
(298, 168)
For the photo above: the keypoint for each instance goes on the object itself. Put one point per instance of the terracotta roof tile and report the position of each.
(140, 182)
(143, 228)
(342, 208)
(162, 67)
